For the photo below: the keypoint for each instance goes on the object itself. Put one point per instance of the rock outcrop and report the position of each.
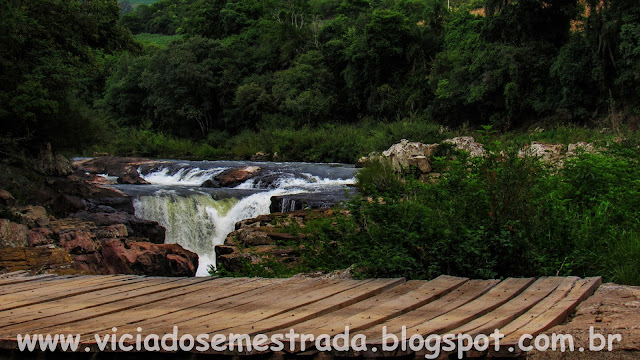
(13, 234)
(416, 158)
(405, 155)
(267, 238)
(232, 177)
(94, 238)
(48, 163)
(125, 168)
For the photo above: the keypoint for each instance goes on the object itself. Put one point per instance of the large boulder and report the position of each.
(233, 177)
(406, 155)
(545, 152)
(52, 164)
(151, 230)
(468, 144)
(33, 216)
(144, 258)
(13, 234)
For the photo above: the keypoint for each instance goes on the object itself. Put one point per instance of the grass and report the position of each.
(159, 40)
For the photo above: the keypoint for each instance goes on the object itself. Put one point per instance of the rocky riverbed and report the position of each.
(65, 222)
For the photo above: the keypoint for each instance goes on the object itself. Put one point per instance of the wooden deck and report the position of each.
(89, 305)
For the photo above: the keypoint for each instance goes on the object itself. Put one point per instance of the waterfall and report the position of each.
(199, 219)
(198, 222)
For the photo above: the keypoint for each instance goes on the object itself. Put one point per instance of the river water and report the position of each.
(200, 218)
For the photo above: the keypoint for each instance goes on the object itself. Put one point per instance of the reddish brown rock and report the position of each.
(40, 237)
(151, 230)
(111, 231)
(12, 234)
(143, 258)
(233, 177)
(34, 259)
(112, 165)
(79, 242)
(132, 178)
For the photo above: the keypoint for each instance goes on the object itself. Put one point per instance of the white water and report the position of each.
(193, 176)
(198, 222)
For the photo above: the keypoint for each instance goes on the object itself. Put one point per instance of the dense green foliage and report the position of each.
(251, 65)
(485, 218)
(53, 62)
(228, 68)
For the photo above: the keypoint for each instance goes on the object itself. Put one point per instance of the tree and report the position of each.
(47, 51)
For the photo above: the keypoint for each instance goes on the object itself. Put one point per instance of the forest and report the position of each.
(229, 78)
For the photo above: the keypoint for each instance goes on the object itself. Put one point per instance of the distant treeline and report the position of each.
(246, 64)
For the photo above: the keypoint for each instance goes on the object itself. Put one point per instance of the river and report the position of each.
(200, 218)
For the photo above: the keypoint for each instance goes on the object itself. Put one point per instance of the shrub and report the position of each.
(488, 217)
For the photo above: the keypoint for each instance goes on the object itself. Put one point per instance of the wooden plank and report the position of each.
(512, 309)
(13, 273)
(12, 281)
(63, 290)
(35, 284)
(274, 304)
(553, 316)
(267, 302)
(495, 297)
(558, 294)
(498, 295)
(468, 292)
(88, 300)
(96, 320)
(377, 309)
(98, 317)
(333, 303)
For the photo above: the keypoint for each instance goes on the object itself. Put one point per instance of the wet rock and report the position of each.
(114, 166)
(12, 234)
(235, 177)
(143, 258)
(211, 183)
(286, 203)
(132, 178)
